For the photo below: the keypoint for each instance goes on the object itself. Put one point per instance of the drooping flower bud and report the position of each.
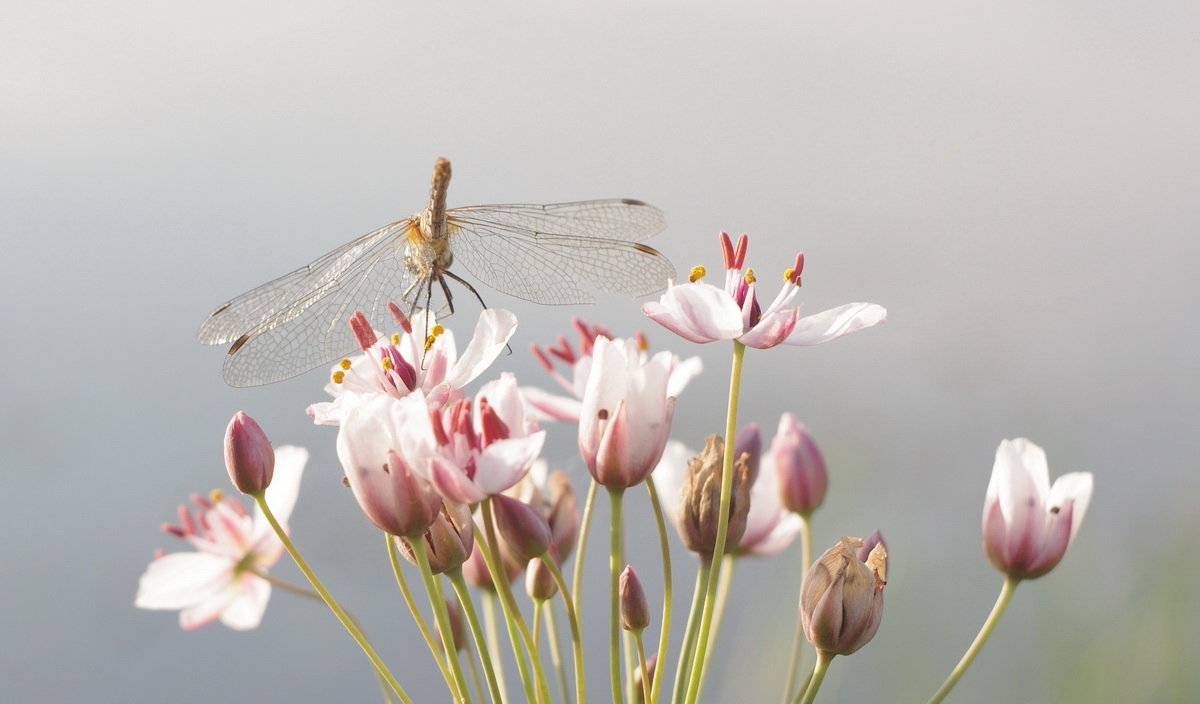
(700, 499)
(523, 529)
(639, 695)
(458, 630)
(841, 603)
(475, 569)
(248, 455)
(799, 466)
(635, 611)
(448, 542)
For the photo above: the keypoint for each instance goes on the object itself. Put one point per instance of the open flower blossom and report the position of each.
(221, 579)
(626, 414)
(550, 406)
(1027, 523)
(423, 357)
(701, 312)
(485, 445)
(385, 445)
(769, 527)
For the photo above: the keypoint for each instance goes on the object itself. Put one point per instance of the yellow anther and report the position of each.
(787, 275)
(216, 495)
(387, 363)
(395, 338)
(437, 330)
(344, 364)
(750, 276)
(339, 376)
(698, 273)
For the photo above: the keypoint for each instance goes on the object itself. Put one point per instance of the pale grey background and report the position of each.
(1015, 181)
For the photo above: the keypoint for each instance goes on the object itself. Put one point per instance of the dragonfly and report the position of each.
(548, 254)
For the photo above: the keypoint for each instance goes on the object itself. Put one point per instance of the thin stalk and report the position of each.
(719, 615)
(573, 622)
(735, 381)
(798, 636)
(665, 548)
(1006, 593)
(684, 667)
(824, 657)
(437, 601)
(581, 545)
(416, 614)
(511, 610)
(342, 616)
(641, 656)
(556, 651)
(481, 643)
(615, 495)
(493, 639)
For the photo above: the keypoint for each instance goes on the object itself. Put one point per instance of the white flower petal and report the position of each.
(181, 579)
(835, 322)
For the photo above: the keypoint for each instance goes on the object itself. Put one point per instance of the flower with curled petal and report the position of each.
(701, 312)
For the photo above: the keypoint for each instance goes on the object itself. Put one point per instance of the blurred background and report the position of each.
(1014, 181)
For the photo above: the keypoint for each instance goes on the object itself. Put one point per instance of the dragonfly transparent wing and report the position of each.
(558, 254)
(299, 321)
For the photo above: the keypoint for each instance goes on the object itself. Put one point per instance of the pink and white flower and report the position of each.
(553, 407)
(400, 364)
(700, 312)
(385, 446)
(485, 445)
(1027, 523)
(222, 579)
(626, 413)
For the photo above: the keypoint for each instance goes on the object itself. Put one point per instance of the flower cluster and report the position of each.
(458, 484)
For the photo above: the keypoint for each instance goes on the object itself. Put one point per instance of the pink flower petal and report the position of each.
(835, 322)
(697, 312)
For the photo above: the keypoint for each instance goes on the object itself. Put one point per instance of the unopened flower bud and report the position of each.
(700, 499)
(869, 543)
(448, 542)
(639, 696)
(841, 603)
(749, 442)
(635, 611)
(475, 569)
(539, 581)
(564, 513)
(799, 466)
(248, 455)
(527, 533)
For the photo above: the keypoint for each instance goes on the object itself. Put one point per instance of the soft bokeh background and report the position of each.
(1016, 181)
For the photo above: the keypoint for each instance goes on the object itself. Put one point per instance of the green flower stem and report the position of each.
(556, 651)
(735, 382)
(573, 621)
(495, 684)
(641, 656)
(723, 587)
(615, 495)
(437, 601)
(346, 621)
(416, 613)
(667, 594)
(305, 591)
(581, 545)
(824, 657)
(493, 638)
(512, 613)
(683, 668)
(798, 637)
(1006, 593)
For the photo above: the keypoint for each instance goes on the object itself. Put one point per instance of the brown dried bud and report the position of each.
(700, 499)
(841, 603)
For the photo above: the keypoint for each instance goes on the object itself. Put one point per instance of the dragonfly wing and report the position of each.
(618, 219)
(248, 311)
(560, 254)
(312, 327)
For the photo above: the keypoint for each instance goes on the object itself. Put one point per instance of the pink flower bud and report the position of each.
(635, 611)
(799, 467)
(841, 602)
(539, 581)
(248, 455)
(523, 529)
